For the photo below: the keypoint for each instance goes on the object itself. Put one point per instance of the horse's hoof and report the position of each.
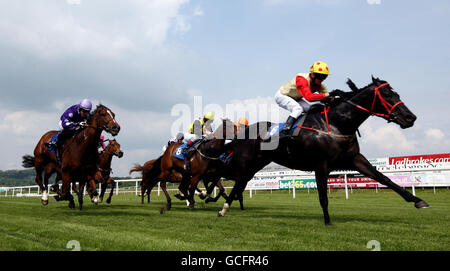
(191, 207)
(44, 202)
(421, 204)
(219, 214)
(72, 205)
(108, 201)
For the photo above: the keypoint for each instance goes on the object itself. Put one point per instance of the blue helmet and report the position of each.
(85, 104)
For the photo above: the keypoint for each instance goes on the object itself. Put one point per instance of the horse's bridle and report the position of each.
(389, 108)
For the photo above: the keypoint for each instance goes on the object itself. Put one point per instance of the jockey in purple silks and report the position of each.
(72, 120)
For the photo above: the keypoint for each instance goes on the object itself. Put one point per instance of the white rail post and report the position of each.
(136, 188)
(117, 188)
(293, 189)
(251, 193)
(346, 188)
(412, 183)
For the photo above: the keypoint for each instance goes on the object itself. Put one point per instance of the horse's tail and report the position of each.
(28, 161)
(136, 167)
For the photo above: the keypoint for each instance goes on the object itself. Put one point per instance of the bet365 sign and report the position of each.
(298, 184)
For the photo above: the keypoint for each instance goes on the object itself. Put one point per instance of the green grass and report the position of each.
(270, 222)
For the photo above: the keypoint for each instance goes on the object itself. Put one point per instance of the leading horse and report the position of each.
(327, 141)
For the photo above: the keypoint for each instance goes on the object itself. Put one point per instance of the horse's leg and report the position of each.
(65, 194)
(220, 194)
(321, 180)
(47, 173)
(191, 192)
(111, 193)
(80, 194)
(241, 197)
(363, 166)
(144, 187)
(183, 187)
(55, 186)
(239, 185)
(163, 186)
(93, 187)
(102, 192)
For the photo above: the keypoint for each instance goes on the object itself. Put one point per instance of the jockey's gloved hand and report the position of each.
(331, 99)
(83, 124)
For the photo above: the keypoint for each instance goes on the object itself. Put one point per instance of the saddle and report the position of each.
(295, 130)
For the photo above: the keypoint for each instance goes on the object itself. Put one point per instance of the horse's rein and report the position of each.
(204, 155)
(389, 108)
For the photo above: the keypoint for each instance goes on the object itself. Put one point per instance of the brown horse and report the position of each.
(43, 161)
(149, 181)
(102, 175)
(204, 161)
(80, 155)
(169, 168)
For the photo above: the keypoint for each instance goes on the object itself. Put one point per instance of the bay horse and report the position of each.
(43, 161)
(103, 172)
(327, 141)
(204, 160)
(149, 180)
(79, 154)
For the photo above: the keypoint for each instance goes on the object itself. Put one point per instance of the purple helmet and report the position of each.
(85, 104)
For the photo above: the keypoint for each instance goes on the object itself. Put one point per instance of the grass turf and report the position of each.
(272, 221)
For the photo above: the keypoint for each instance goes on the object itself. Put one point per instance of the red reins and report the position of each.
(389, 108)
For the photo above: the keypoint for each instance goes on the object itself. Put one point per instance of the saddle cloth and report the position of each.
(276, 128)
(179, 154)
(52, 143)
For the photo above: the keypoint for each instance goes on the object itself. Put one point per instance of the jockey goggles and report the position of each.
(320, 76)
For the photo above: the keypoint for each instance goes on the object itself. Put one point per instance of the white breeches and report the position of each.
(192, 137)
(291, 105)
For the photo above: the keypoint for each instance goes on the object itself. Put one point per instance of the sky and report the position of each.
(158, 64)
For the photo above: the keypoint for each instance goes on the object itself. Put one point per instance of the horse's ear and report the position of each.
(374, 80)
(352, 85)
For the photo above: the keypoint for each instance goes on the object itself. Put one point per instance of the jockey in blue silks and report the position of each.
(72, 120)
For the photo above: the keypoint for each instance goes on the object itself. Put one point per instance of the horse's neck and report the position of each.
(91, 137)
(105, 160)
(347, 117)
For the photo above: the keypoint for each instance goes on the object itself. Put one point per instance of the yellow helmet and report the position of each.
(209, 116)
(319, 67)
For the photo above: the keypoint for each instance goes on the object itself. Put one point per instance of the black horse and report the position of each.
(327, 141)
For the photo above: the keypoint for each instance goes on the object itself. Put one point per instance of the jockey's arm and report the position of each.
(304, 90)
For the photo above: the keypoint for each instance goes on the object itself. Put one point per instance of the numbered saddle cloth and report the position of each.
(179, 153)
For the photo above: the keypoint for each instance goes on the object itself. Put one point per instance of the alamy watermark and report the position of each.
(374, 2)
(374, 245)
(74, 245)
(254, 112)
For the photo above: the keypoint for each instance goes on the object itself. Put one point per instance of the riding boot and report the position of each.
(287, 126)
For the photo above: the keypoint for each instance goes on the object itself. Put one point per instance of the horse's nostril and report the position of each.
(411, 118)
